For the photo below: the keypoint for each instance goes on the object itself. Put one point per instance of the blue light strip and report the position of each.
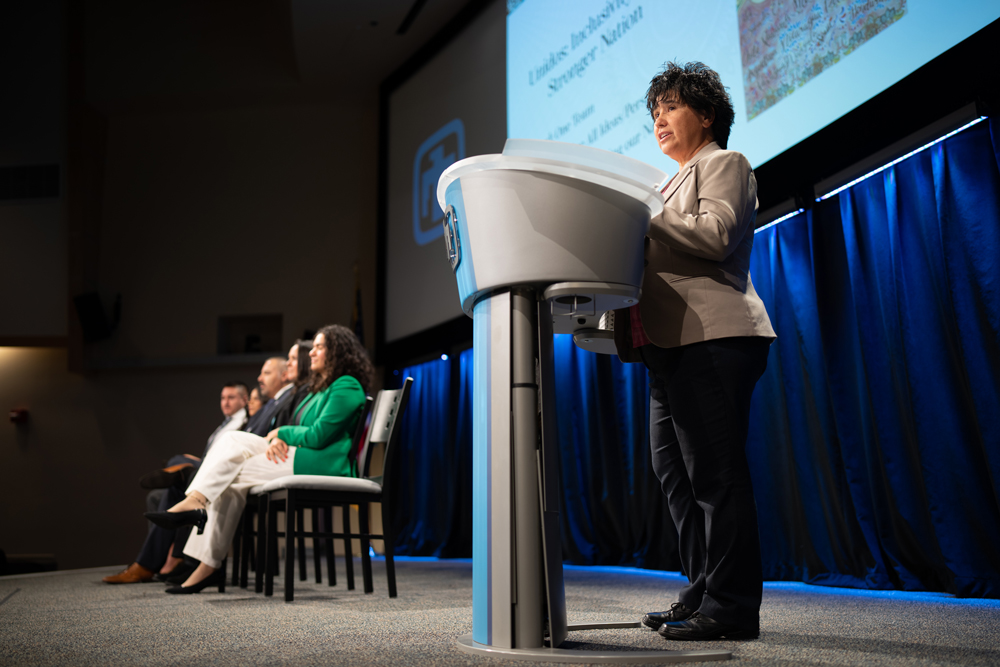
(796, 586)
(874, 172)
(801, 587)
(781, 219)
(900, 159)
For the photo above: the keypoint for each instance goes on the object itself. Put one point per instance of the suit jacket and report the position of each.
(325, 429)
(696, 283)
(265, 420)
(233, 423)
(289, 409)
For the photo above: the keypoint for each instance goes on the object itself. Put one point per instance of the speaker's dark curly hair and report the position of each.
(345, 355)
(700, 88)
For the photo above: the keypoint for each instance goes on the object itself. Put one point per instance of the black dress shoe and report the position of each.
(183, 570)
(677, 612)
(699, 628)
(174, 520)
(213, 579)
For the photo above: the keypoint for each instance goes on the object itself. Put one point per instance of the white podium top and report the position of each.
(595, 165)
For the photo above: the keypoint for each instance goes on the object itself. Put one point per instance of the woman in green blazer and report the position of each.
(318, 443)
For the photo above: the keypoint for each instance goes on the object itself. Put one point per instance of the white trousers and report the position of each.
(234, 465)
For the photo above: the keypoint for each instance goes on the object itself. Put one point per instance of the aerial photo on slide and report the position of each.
(785, 43)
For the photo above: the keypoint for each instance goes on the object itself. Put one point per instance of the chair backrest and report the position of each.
(386, 413)
(359, 429)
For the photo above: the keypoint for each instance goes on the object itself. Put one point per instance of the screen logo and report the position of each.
(438, 152)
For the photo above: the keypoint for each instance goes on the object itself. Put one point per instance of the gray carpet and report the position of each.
(72, 618)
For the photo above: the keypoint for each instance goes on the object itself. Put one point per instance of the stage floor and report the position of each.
(72, 618)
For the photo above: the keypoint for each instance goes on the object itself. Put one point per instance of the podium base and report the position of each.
(544, 654)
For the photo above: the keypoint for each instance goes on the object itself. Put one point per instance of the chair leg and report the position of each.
(272, 547)
(276, 562)
(316, 545)
(260, 567)
(222, 582)
(252, 562)
(246, 544)
(348, 547)
(237, 549)
(300, 519)
(389, 539)
(331, 570)
(290, 537)
(364, 528)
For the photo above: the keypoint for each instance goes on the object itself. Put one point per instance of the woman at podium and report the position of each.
(704, 334)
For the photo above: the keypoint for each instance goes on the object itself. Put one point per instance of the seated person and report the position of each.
(297, 373)
(276, 393)
(254, 403)
(235, 396)
(275, 390)
(319, 444)
(154, 553)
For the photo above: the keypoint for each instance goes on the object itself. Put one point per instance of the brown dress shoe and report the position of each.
(133, 574)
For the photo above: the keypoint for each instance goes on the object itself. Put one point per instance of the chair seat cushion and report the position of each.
(319, 483)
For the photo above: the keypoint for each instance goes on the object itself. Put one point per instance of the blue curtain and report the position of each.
(432, 468)
(875, 436)
(875, 441)
(613, 512)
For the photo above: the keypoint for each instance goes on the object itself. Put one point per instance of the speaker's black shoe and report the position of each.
(700, 628)
(181, 475)
(677, 612)
(174, 520)
(183, 571)
(213, 579)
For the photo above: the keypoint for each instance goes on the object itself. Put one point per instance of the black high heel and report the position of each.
(213, 579)
(174, 520)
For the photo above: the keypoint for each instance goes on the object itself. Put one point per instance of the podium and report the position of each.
(544, 238)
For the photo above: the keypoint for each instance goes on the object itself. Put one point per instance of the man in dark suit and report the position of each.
(276, 391)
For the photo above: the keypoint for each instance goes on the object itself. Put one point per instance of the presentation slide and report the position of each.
(578, 70)
(451, 108)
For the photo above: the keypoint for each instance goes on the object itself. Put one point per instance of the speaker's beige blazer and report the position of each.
(696, 284)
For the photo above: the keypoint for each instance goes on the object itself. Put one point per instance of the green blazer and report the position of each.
(326, 424)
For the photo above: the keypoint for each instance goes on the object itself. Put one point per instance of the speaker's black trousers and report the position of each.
(699, 411)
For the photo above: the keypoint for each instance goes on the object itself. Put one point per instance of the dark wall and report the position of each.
(32, 133)
(71, 472)
(231, 212)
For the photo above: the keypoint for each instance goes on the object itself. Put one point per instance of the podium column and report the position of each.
(508, 588)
